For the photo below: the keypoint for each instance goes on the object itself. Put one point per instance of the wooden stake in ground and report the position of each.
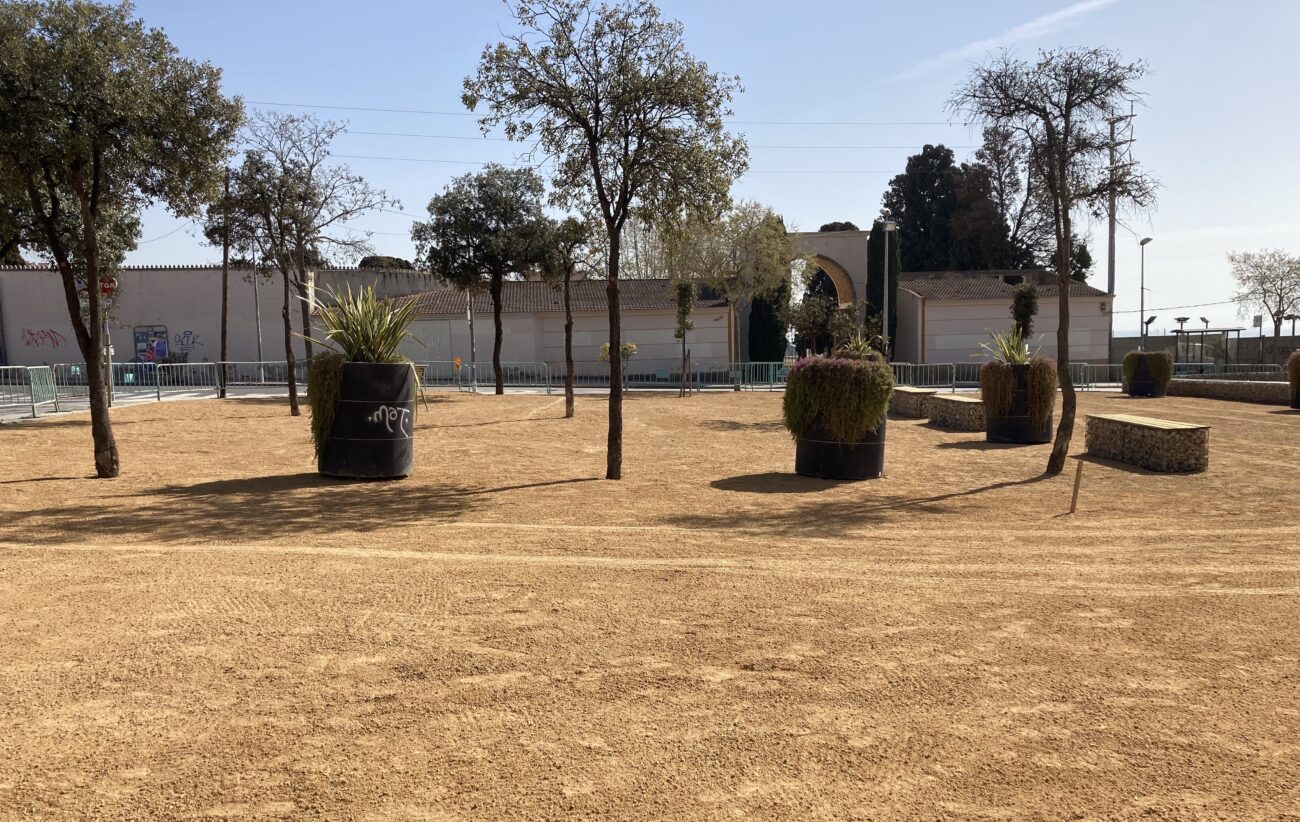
(1078, 478)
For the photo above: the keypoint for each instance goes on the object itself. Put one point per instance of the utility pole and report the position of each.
(225, 287)
(1110, 247)
(1111, 220)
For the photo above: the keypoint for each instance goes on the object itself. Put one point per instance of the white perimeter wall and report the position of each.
(187, 302)
(540, 337)
(953, 331)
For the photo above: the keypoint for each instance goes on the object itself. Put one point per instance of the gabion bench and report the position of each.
(906, 401)
(1157, 445)
(956, 412)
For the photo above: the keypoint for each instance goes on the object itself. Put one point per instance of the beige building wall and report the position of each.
(953, 331)
(184, 304)
(540, 337)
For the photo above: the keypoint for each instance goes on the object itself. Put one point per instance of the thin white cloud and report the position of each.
(1038, 27)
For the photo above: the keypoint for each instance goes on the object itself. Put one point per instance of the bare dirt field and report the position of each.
(221, 632)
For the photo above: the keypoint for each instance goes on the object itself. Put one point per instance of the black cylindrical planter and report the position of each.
(1295, 395)
(371, 437)
(1017, 426)
(1143, 382)
(817, 454)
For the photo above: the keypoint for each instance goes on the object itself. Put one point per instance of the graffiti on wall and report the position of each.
(43, 338)
(187, 341)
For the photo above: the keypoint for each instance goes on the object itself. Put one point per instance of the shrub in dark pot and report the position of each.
(362, 394)
(1293, 374)
(835, 409)
(1019, 392)
(1147, 373)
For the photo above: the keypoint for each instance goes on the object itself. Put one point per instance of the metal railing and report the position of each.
(268, 373)
(926, 375)
(131, 378)
(514, 374)
(28, 387)
(186, 376)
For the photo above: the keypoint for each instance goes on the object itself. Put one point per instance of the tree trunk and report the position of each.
(1064, 430)
(568, 349)
(614, 442)
(681, 392)
(225, 302)
(289, 363)
(495, 290)
(107, 464)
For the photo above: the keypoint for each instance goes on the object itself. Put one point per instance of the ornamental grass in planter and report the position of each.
(1147, 373)
(1293, 374)
(1019, 392)
(362, 393)
(835, 410)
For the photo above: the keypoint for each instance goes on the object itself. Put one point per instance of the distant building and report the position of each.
(944, 316)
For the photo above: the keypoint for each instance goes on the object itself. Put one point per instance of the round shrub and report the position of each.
(1159, 363)
(1293, 368)
(846, 397)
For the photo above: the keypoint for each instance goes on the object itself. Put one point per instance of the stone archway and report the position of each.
(844, 290)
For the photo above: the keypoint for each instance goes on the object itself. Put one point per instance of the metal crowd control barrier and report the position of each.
(130, 378)
(926, 375)
(269, 372)
(28, 387)
(183, 376)
(516, 374)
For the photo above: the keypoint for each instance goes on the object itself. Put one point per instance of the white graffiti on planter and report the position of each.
(388, 415)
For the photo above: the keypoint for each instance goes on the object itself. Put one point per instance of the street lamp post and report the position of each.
(888, 225)
(1142, 295)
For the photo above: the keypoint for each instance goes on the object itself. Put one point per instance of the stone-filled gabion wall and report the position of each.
(1177, 450)
(1272, 393)
(956, 413)
(913, 403)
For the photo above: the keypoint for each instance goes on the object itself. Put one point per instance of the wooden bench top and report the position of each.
(1148, 422)
(957, 398)
(910, 389)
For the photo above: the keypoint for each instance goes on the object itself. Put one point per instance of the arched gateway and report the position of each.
(842, 255)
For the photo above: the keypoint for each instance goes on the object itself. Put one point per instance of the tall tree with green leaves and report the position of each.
(485, 227)
(745, 254)
(768, 330)
(1056, 108)
(102, 117)
(632, 120)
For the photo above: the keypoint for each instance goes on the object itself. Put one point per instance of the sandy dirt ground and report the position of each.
(222, 633)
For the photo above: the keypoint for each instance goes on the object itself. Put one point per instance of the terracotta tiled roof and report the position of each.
(962, 286)
(539, 297)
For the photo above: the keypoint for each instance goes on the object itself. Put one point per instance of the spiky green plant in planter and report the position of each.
(1293, 373)
(835, 409)
(1018, 388)
(1147, 373)
(362, 391)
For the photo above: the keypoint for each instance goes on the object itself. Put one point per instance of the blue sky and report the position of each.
(1218, 131)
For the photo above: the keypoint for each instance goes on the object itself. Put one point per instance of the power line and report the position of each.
(540, 165)
(1177, 307)
(507, 140)
(437, 113)
(184, 225)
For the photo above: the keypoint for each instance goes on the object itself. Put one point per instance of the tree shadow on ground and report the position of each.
(736, 425)
(258, 508)
(823, 518)
(774, 482)
(985, 445)
(1123, 466)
